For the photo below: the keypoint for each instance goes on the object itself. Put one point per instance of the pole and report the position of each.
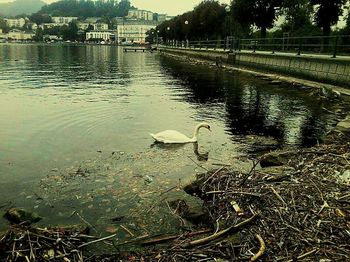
(335, 47)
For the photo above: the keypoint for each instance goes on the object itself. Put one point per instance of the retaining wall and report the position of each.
(319, 68)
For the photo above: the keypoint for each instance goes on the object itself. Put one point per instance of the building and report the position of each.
(20, 35)
(105, 35)
(92, 20)
(93, 26)
(161, 17)
(63, 20)
(50, 25)
(15, 22)
(133, 30)
(140, 15)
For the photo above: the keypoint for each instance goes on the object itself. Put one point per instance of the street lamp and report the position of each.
(157, 37)
(168, 33)
(186, 23)
(229, 37)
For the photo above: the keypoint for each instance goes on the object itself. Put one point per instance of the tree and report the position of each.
(69, 32)
(298, 14)
(261, 13)
(3, 26)
(327, 13)
(40, 18)
(123, 8)
(38, 35)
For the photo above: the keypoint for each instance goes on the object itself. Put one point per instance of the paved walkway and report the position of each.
(322, 56)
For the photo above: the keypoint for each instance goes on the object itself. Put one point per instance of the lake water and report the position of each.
(75, 124)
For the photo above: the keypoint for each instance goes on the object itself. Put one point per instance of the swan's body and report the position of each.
(175, 137)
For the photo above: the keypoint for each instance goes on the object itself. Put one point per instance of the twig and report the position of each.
(97, 240)
(261, 250)
(198, 164)
(217, 171)
(278, 196)
(86, 222)
(168, 238)
(219, 234)
(305, 255)
(127, 230)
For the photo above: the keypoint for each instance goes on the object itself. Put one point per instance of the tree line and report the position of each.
(87, 8)
(212, 20)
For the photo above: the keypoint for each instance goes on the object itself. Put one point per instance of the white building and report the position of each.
(50, 25)
(106, 35)
(140, 14)
(20, 35)
(133, 30)
(63, 20)
(15, 22)
(94, 26)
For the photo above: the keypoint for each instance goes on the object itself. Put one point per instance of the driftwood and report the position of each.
(219, 234)
(261, 250)
(160, 240)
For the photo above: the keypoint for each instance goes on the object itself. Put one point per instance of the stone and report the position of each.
(329, 93)
(276, 158)
(190, 212)
(19, 216)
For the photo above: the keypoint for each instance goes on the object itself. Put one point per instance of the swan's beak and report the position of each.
(209, 128)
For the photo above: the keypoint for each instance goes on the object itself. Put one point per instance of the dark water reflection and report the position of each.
(252, 106)
(74, 124)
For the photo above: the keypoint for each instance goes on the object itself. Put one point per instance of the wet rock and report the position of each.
(329, 93)
(192, 213)
(194, 188)
(21, 216)
(277, 158)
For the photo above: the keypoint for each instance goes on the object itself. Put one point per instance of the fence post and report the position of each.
(273, 46)
(299, 49)
(239, 45)
(254, 46)
(335, 47)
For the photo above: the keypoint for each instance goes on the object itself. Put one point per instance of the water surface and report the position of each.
(74, 124)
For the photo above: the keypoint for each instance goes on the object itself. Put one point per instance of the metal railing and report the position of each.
(332, 45)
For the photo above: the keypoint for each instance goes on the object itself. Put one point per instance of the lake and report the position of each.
(75, 124)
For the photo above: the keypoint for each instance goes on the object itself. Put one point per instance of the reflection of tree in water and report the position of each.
(247, 112)
(251, 108)
(314, 127)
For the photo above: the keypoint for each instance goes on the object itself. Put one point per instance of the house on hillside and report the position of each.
(63, 20)
(19, 23)
(135, 13)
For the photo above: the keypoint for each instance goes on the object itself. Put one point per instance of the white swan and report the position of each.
(175, 137)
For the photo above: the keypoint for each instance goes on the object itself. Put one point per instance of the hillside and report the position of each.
(87, 8)
(19, 7)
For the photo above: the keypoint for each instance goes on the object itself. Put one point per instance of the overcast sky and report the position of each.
(170, 7)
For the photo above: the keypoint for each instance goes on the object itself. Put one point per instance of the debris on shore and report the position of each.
(292, 205)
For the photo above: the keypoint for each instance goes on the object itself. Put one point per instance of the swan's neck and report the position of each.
(195, 134)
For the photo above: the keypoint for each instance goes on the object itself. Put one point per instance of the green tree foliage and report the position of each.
(327, 13)
(40, 18)
(87, 8)
(261, 13)
(38, 35)
(298, 14)
(69, 32)
(4, 26)
(205, 21)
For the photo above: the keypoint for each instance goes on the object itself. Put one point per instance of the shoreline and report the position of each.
(289, 206)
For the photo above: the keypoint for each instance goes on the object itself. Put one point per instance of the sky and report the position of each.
(169, 7)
